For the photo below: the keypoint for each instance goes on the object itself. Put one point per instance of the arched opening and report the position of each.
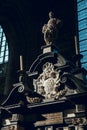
(4, 57)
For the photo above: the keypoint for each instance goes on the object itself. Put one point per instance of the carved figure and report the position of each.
(50, 30)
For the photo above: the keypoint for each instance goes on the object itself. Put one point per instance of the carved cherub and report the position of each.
(50, 30)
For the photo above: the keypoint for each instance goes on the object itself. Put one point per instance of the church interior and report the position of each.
(61, 105)
(22, 23)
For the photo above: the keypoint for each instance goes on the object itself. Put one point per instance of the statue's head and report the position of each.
(51, 14)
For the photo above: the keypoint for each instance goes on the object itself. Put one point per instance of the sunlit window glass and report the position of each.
(82, 30)
(3, 47)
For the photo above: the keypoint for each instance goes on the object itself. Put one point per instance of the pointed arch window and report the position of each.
(4, 52)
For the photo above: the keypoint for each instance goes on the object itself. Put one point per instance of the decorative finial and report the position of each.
(50, 30)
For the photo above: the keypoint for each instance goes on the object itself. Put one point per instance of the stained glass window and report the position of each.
(82, 30)
(3, 52)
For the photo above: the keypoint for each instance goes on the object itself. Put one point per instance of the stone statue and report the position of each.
(50, 30)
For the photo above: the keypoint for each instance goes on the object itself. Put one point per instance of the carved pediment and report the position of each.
(56, 82)
(50, 84)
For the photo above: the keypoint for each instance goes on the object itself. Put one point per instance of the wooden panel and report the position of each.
(51, 118)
